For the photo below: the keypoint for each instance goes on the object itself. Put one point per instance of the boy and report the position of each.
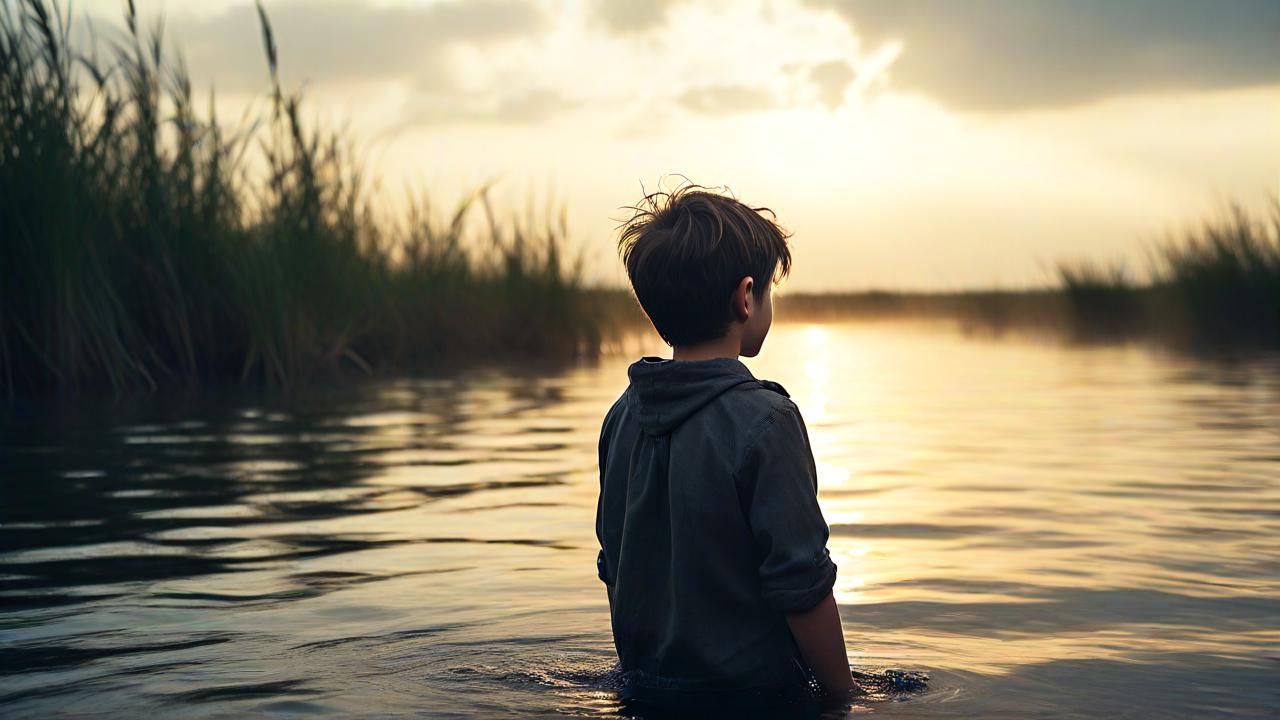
(713, 547)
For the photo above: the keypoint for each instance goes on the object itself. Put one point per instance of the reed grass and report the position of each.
(1104, 302)
(143, 243)
(1225, 276)
(1215, 286)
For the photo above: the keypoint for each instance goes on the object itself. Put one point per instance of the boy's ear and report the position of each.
(744, 299)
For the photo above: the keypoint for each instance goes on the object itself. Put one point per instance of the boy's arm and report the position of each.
(780, 483)
(820, 638)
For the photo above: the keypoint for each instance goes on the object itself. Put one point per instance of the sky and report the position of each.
(913, 144)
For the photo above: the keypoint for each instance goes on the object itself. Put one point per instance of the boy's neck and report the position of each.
(725, 347)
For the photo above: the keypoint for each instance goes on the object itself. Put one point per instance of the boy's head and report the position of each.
(702, 264)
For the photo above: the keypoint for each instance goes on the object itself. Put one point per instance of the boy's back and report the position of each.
(709, 526)
(713, 546)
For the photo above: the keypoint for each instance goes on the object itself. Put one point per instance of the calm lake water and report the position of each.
(1047, 531)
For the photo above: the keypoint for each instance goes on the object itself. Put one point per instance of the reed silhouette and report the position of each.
(1212, 286)
(145, 244)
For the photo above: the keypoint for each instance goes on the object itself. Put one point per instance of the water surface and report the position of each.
(1048, 531)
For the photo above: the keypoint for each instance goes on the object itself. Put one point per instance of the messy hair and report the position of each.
(686, 250)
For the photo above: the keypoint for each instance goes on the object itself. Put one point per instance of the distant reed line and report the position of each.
(142, 244)
(1215, 286)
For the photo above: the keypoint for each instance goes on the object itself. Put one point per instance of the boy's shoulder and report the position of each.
(761, 401)
(776, 389)
(756, 402)
(615, 410)
(764, 405)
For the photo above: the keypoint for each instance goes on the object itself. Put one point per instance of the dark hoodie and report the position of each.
(709, 527)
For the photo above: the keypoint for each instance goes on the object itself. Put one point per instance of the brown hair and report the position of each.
(685, 252)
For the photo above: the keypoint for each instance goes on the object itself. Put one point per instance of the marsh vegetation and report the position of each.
(1216, 285)
(145, 242)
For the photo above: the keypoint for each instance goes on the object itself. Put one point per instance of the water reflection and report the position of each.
(1020, 520)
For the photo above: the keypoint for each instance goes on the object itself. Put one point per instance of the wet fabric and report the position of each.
(709, 527)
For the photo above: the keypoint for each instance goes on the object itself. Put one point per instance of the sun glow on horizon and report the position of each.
(888, 175)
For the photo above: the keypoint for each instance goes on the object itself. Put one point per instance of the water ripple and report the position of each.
(1046, 531)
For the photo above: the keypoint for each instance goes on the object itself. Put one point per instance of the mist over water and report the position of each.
(1046, 530)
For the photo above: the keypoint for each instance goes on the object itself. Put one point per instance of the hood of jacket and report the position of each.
(666, 392)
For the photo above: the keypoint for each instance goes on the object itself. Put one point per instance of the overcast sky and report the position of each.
(913, 143)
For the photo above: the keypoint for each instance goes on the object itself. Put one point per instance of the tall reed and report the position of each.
(142, 243)
(1217, 284)
(1225, 275)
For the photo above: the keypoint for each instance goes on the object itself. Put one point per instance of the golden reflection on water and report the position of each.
(961, 476)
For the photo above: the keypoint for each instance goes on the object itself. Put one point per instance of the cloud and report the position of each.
(531, 106)
(1018, 54)
(725, 99)
(831, 78)
(804, 83)
(625, 17)
(521, 107)
(337, 41)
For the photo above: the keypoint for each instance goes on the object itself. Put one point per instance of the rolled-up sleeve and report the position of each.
(780, 481)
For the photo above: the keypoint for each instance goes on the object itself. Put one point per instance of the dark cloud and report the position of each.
(1015, 54)
(633, 16)
(831, 78)
(336, 41)
(724, 99)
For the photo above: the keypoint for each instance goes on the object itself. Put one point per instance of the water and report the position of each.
(1047, 531)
